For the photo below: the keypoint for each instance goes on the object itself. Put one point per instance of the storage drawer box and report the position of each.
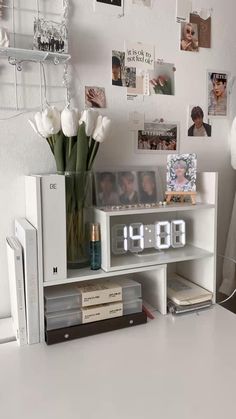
(68, 318)
(75, 296)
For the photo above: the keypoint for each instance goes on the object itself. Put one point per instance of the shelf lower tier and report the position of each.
(132, 264)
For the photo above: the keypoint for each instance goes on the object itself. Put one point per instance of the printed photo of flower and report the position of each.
(162, 81)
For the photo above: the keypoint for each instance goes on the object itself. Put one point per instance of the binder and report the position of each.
(26, 235)
(17, 292)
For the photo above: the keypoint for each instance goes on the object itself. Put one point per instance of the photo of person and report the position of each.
(189, 37)
(181, 172)
(128, 188)
(217, 94)
(50, 36)
(197, 127)
(106, 189)
(147, 187)
(162, 80)
(95, 97)
(121, 75)
(157, 137)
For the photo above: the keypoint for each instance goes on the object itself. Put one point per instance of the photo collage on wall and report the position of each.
(128, 187)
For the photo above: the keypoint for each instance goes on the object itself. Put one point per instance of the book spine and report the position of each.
(34, 216)
(54, 227)
(28, 240)
(16, 283)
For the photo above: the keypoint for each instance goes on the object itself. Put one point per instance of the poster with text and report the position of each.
(139, 55)
(217, 84)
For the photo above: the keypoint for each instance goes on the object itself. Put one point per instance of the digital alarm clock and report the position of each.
(136, 237)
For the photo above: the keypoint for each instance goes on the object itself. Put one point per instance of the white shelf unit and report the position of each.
(196, 261)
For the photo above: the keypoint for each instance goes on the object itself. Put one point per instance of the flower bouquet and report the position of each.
(74, 142)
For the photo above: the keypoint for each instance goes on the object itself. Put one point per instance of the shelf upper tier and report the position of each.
(19, 55)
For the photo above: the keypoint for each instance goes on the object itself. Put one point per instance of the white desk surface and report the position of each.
(172, 368)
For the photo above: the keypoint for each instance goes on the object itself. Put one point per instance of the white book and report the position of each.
(46, 205)
(184, 292)
(34, 216)
(16, 283)
(54, 227)
(26, 235)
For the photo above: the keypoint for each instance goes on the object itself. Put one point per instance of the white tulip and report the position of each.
(70, 122)
(33, 125)
(39, 125)
(51, 120)
(89, 117)
(102, 129)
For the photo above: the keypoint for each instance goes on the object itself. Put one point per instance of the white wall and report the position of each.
(92, 39)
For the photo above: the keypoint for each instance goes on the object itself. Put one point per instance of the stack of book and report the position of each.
(82, 309)
(185, 296)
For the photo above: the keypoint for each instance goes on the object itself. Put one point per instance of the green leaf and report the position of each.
(82, 149)
(59, 151)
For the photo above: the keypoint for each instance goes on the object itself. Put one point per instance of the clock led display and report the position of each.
(136, 237)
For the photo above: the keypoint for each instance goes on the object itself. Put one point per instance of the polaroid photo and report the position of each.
(158, 137)
(95, 97)
(181, 172)
(189, 37)
(162, 79)
(217, 94)
(50, 36)
(197, 125)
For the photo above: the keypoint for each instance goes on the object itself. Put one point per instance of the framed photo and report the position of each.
(217, 93)
(106, 189)
(181, 172)
(162, 79)
(158, 137)
(128, 187)
(197, 127)
(50, 36)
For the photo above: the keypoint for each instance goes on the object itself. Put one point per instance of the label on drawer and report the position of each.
(100, 293)
(102, 312)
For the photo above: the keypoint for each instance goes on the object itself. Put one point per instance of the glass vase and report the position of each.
(78, 217)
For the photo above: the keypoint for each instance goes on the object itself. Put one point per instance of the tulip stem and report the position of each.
(70, 146)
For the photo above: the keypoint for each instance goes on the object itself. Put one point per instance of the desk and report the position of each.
(172, 368)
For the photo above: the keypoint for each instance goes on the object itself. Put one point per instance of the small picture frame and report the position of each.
(158, 137)
(181, 172)
(50, 36)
